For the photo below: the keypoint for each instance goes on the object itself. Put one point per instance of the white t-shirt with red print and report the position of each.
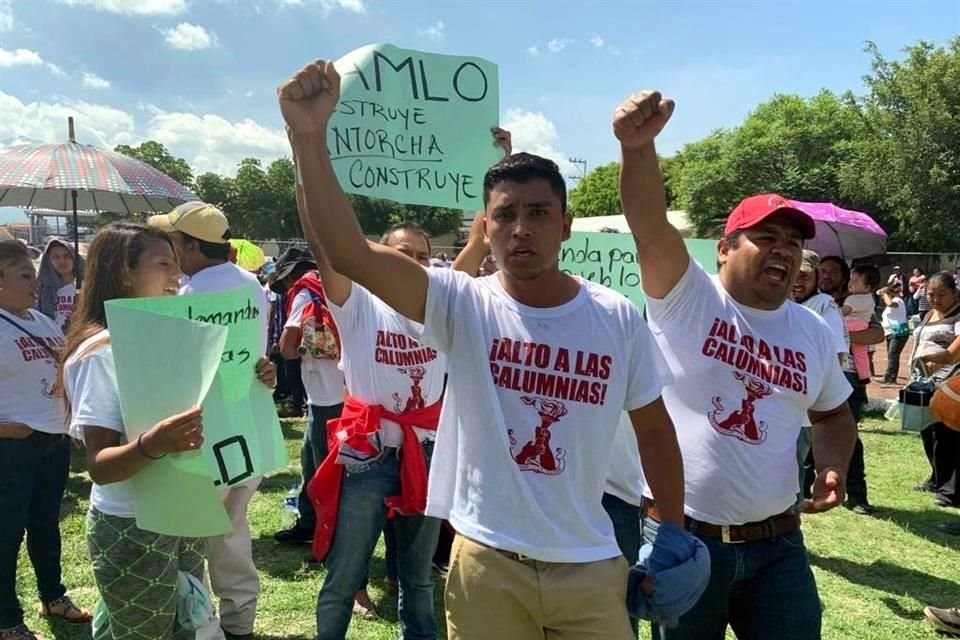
(28, 373)
(384, 363)
(66, 298)
(322, 378)
(533, 404)
(745, 379)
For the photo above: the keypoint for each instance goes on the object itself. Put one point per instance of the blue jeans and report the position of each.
(626, 528)
(33, 476)
(313, 452)
(361, 518)
(764, 590)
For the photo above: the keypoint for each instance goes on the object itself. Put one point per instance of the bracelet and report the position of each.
(143, 451)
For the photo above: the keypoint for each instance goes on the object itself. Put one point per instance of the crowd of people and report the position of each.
(577, 466)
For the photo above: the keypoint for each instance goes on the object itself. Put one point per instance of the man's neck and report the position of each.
(550, 289)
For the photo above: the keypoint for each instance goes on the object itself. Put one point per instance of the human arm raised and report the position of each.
(662, 255)
(307, 100)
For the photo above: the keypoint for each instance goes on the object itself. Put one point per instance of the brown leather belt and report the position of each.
(772, 527)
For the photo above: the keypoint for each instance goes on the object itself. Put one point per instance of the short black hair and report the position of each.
(212, 250)
(869, 273)
(844, 267)
(406, 225)
(524, 167)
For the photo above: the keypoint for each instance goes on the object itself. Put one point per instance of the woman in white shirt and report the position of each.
(126, 261)
(34, 448)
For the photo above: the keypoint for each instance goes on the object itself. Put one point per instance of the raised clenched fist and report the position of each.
(309, 97)
(640, 118)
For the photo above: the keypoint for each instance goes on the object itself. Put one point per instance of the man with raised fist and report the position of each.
(748, 366)
(540, 366)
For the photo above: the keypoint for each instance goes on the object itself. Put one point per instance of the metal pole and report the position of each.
(76, 239)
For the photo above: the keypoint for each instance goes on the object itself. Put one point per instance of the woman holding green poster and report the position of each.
(136, 571)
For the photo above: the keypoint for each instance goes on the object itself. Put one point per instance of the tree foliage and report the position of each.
(906, 166)
(597, 193)
(156, 155)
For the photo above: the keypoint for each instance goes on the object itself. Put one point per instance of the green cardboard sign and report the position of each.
(610, 259)
(175, 352)
(414, 127)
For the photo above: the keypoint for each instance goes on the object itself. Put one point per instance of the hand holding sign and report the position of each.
(309, 98)
(180, 432)
(502, 139)
(640, 118)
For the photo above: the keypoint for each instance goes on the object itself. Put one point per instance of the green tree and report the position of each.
(788, 145)
(905, 169)
(156, 155)
(597, 193)
(216, 189)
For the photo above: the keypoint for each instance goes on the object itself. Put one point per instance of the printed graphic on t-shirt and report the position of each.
(537, 455)
(32, 349)
(63, 309)
(548, 377)
(759, 368)
(415, 402)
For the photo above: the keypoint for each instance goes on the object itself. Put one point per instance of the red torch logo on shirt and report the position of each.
(415, 401)
(536, 455)
(740, 423)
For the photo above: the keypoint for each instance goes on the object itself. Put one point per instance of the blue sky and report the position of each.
(199, 75)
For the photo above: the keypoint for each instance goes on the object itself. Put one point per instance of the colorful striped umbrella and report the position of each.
(73, 176)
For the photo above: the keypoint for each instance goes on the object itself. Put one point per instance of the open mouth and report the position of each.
(522, 252)
(777, 272)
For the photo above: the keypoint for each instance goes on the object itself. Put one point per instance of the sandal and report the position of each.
(64, 608)
(19, 632)
(363, 606)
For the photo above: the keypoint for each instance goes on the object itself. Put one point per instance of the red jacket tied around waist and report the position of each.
(354, 430)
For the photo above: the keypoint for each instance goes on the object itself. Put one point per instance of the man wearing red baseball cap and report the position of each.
(749, 365)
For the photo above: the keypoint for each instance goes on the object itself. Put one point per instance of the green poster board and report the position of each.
(414, 127)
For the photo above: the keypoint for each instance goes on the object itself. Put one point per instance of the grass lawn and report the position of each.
(875, 573)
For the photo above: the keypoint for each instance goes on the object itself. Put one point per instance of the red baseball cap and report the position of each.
(755, 209)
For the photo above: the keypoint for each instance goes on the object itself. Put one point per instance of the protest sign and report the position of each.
(414, 127)
(610, 259)
(159, 376)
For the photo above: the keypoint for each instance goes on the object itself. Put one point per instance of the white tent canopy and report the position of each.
(619, 224)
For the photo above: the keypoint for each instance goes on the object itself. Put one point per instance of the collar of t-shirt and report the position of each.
(496, 286)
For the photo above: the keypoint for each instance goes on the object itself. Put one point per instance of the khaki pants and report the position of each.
(233, 575)
(492, 595)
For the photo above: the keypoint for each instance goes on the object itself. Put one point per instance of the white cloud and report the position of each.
(93, 81)
(328, 6)
(434, 32)
(6, 15)
(134, 7)
(533, 51)
(100, 125)
(27, 58)
(248, 94)
(208, 142)
(597, 41)
(212, 143)
(534, 133)
(355, 6)
(559, 44)
(19, 57)
(190, 37)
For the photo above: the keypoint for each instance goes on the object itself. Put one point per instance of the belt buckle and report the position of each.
(725, 535)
